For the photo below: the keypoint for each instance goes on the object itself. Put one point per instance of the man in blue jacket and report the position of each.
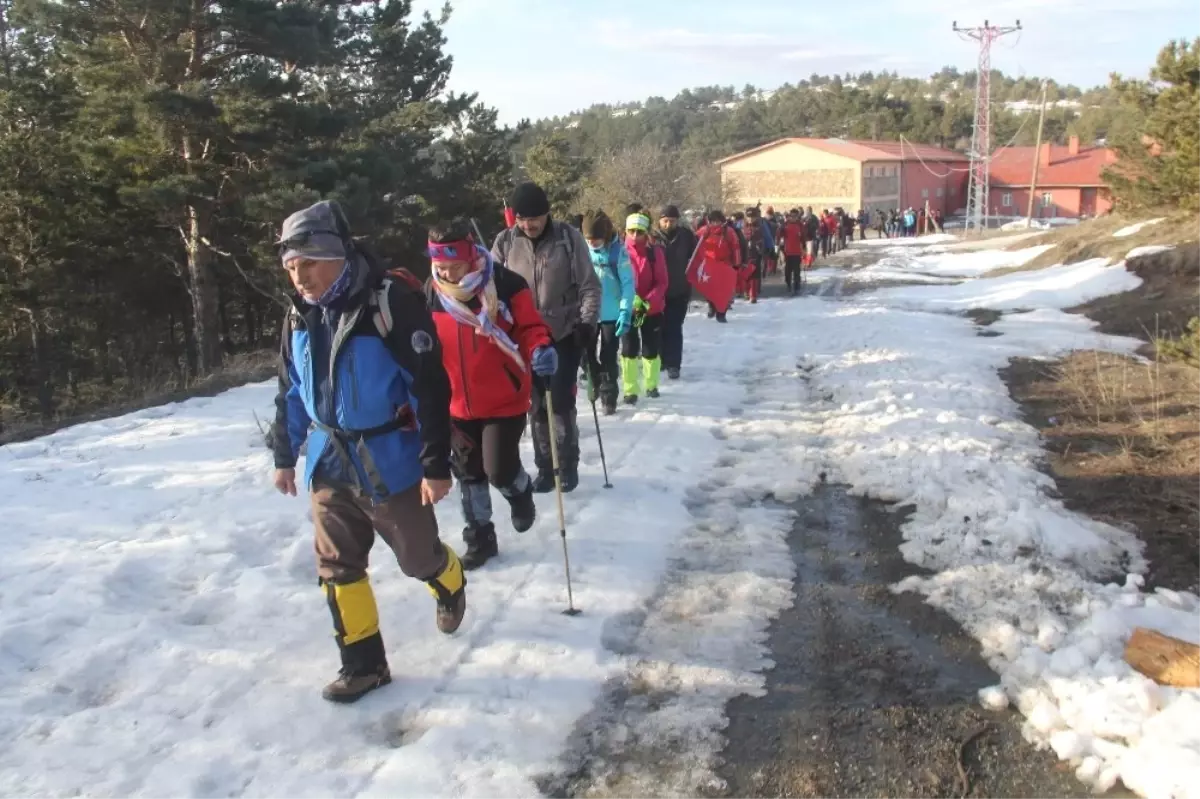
(361, 379)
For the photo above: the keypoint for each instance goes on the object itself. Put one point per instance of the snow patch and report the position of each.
(1137, 227)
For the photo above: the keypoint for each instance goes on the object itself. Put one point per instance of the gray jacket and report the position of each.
(558, 269)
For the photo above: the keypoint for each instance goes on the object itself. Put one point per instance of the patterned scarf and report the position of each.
(479, 285)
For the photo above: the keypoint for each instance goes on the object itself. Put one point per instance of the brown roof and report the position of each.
(860, 150)
(1013, 166)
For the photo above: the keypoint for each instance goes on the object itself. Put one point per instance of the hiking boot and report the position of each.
(544, 482)
(449, 588)
(350, 687)
(570, 479)
(721, 318)
(524, 511)
(673, 373)
(610, 407)
(652, 393)
(630, 399)
(481, 545)
(711, 312)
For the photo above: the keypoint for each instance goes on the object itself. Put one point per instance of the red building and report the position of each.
(1068, 181)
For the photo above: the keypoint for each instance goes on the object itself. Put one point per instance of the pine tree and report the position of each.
(1158, 164)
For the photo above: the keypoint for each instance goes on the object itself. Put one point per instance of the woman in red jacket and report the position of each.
(492, 340)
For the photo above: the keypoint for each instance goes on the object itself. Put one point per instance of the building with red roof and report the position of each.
(1069, 182)
(852, 174)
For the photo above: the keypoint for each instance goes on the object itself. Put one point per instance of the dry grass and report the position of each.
(1094, 239)
(1124, 444)
(99, 403)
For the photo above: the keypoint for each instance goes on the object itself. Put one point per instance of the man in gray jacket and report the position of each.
(556, 262)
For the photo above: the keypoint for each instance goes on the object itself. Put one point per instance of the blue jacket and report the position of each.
(616, 283)
(376, 413)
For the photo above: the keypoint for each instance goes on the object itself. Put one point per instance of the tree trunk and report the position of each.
(202, 286)
(41, 368)
(1164, 659)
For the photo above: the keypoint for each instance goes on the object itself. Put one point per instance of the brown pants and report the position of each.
(346, 523)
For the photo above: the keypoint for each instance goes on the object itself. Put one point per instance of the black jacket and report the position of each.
(679, 245)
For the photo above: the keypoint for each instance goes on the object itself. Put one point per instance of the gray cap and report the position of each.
(315, 230)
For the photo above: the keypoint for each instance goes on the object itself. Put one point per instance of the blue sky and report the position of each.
(536, 58)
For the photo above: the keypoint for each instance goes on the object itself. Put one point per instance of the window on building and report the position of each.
(1006, 199)
(870, 171)
(924, 194)
(940, 191)
(1047, 199)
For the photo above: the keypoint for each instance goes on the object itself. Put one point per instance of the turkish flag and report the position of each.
(715, 280)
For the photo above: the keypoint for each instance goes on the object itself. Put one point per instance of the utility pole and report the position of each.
(981, 133)
(1037, 158)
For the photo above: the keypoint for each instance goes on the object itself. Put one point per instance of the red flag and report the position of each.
(510, 216)
(714, 279)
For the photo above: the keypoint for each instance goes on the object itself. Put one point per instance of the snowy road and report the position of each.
(162, 633)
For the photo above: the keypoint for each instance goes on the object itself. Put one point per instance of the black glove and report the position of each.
(585, 336)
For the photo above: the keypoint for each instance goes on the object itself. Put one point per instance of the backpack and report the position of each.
(504, 242)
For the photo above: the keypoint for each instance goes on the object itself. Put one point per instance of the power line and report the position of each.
(981, 130)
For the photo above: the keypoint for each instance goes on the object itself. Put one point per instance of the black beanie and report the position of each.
(529, 200)
(669, 212)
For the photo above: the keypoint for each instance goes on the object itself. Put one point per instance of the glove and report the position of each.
(640, 309)
(544, 361)
(585, 336)
(624, 322)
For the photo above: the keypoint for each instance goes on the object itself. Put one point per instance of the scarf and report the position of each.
(479, 285)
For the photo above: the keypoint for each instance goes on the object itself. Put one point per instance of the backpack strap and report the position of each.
(381, 307)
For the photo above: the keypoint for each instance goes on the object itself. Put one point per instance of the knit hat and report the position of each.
(529, 200)
(638, 223)
(669, 212)
(597, 225)
(313, 233)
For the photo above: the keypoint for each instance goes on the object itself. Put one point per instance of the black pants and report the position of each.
(608, 381)
(562, 385)
(791, 269)
(672, 331)
(487, 451)
(644, 341)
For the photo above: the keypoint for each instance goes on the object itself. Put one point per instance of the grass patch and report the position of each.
(1122, 437)
(1184, 348)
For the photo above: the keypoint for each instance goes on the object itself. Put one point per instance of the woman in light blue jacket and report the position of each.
(611, 262)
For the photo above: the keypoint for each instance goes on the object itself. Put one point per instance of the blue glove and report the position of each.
(545, 361)
(623, 323)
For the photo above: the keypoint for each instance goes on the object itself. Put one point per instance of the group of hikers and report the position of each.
(397, 385)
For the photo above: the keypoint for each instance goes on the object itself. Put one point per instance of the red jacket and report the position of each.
(718, 242)
(485, 382)
(793, 238)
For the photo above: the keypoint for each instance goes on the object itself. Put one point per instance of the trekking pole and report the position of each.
(562, 516)
(587, 371)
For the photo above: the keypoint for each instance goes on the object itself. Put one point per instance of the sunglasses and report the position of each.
(298, 240)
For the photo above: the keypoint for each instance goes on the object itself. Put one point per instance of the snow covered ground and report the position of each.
(161, 632)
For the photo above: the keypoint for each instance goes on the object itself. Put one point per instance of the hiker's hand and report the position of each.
(285, 481)
(433, 491)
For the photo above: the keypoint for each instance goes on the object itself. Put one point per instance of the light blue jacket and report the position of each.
(615, 273)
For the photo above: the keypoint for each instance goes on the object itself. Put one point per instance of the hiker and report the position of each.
(493, 342)
(679, 243)
(719, 243)
(360, 363)
(641, 358)
(555, 260)
(758, 243)
(812, 234)
(610, 260)
(793, 241)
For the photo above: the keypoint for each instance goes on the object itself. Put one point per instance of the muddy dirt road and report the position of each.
(873, 693)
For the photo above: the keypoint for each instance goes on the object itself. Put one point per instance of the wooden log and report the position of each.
(1166, 660)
